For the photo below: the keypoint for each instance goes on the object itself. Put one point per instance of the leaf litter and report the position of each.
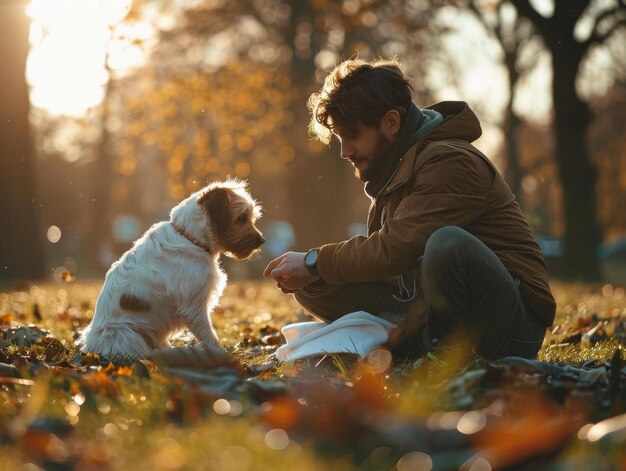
(195, 407)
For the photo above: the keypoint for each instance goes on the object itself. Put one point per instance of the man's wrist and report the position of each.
(310, 261)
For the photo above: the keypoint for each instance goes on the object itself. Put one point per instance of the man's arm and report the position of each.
(448, 191)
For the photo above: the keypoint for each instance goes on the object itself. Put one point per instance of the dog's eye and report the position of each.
(242, 219)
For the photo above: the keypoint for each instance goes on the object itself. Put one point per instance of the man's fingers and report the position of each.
(269, 268)
(281, 273)
(272, 265)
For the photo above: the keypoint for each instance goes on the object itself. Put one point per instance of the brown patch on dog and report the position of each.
(130, 302)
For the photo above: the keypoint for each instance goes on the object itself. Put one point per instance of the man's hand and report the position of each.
(289, 272)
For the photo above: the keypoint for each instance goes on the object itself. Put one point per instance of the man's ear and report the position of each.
(216, 204)
(390, 124)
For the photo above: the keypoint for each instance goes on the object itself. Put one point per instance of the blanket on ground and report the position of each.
(358, 332)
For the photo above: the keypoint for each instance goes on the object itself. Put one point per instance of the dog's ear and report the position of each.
(216, 203)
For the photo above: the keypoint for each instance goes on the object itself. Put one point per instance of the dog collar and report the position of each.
(191, 238)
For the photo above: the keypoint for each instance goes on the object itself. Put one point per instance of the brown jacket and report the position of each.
(443, 181)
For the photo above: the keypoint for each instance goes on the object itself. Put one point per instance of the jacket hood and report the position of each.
(459, 122)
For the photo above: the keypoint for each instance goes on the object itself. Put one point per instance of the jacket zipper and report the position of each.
(383, 213)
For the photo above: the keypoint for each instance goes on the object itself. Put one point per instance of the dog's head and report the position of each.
(232, 214)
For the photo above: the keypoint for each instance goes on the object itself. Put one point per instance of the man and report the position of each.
(448, 249)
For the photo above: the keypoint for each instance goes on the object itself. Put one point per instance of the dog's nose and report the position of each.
(260, 239)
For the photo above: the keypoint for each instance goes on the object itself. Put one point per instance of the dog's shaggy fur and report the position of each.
(171, 278)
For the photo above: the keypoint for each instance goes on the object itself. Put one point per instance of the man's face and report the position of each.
(365, 147)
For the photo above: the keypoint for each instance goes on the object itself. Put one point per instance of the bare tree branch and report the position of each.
(524, 8)
(479, 15)
(597, 38)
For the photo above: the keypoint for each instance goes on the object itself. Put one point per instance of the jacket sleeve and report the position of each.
(449, 190)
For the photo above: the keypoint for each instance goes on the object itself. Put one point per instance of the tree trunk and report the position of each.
(21, 248)
(571, 123)
(515, 173)
(510, 45)
(317, 184)
(578, 175)
(511, 127)
(102, 177)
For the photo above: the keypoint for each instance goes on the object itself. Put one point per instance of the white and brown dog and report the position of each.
(171, 278)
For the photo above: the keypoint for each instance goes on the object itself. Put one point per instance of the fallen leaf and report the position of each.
(201, 356)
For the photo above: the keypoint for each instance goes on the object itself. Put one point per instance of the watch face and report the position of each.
(311, 258)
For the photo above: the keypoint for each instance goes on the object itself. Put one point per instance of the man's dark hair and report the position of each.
(358, 91)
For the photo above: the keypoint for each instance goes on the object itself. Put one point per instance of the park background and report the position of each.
(111, 111)
(114, 110)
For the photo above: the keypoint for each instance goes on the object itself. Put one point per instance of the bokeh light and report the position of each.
(221, 406)
(472, 422)
(53, 234)
(277, 439)
(378, 360)
(415, 461)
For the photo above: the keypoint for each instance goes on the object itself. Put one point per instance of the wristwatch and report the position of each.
(310, 261)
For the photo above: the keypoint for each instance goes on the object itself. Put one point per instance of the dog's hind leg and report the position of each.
(115, 342)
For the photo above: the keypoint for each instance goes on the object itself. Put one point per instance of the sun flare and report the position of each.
(71, 43)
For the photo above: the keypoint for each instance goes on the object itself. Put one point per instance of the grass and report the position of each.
(64, 411)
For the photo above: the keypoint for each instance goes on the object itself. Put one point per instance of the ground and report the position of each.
(64, 410)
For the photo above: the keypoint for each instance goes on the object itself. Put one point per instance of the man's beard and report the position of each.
(378, 159)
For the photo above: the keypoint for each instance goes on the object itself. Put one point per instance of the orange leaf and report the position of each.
(281, 412)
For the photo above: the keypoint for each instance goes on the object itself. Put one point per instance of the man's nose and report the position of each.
(346, 151)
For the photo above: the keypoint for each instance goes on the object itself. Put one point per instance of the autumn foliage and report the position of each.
(193, 407)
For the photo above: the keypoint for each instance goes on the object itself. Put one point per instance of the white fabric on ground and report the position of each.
(357, 332)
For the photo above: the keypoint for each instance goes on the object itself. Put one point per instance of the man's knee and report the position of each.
(443, 246)
(303, 299)
(318, 306)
